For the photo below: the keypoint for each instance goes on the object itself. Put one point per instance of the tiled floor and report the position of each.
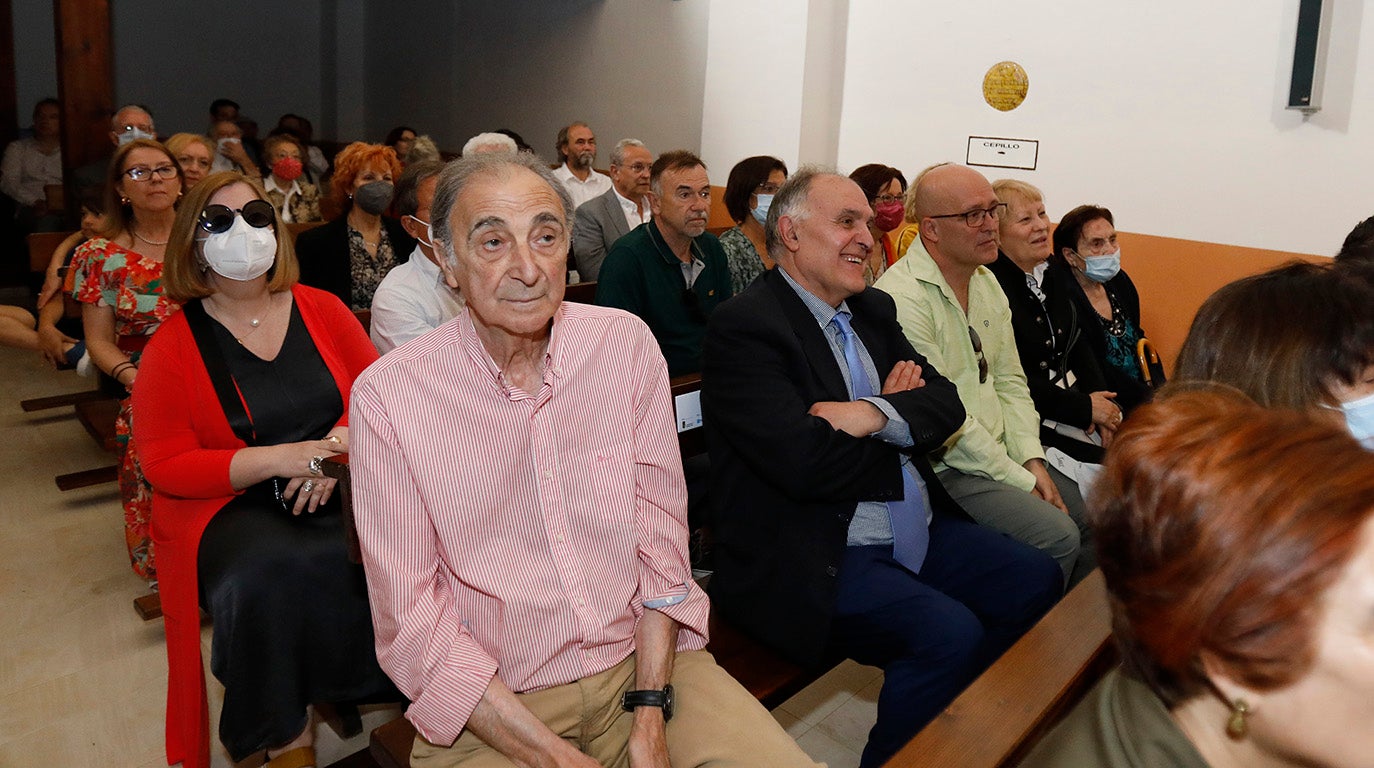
(82, 678)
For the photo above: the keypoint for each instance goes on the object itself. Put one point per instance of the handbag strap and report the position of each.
(213, 356)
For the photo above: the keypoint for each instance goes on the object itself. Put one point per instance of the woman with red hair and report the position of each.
(350, 255)
(1239, 555)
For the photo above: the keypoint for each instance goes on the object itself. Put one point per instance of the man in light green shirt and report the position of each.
(953, 311)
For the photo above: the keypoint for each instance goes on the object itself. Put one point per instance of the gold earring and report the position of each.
(1236, 727)
(123, 200)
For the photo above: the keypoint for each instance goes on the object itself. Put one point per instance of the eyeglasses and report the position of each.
(890, 199)
(978, 352)
(219, 218)
(128, 128)
(144, 173)
(974, 217)
(767, 189)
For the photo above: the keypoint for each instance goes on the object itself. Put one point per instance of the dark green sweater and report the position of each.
(641, 275)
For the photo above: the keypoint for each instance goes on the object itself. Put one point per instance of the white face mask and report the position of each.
(1359, 419)
(134, 133)
(242, 253)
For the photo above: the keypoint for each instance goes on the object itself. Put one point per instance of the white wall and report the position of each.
(754, 84)
(1168, 112)
(453, 69)
(178, 57)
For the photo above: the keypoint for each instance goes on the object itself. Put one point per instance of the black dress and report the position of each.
(290, 612)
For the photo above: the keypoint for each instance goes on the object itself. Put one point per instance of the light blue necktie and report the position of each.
(910, 531)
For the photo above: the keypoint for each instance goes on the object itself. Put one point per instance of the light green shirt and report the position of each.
(1002, 429)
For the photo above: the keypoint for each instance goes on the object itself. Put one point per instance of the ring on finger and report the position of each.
(307, 486)
(317, 465)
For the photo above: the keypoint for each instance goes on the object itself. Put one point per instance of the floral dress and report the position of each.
(109, 275)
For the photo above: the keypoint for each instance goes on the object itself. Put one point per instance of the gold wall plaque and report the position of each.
(1005, 86)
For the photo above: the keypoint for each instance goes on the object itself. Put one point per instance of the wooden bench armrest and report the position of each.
(998, 718)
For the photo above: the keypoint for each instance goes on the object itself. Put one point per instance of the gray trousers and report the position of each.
(1027, 518)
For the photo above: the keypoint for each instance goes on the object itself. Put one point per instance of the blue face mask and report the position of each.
(760, 211)
(1359, 419)
(1100, 269)
(134, 133)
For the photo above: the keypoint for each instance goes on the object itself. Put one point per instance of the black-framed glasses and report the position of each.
(974, 217)
(219, 218)
(144, 173)
(978, 353)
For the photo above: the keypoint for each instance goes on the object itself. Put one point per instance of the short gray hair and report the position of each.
(461, 172)
(618, 154)
(790, 201)
(490, 142)
(408, 186)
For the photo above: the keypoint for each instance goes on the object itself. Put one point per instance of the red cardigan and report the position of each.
(185, 445)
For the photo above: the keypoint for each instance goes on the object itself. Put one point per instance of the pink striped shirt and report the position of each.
(515, 534)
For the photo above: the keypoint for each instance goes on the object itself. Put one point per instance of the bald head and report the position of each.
(941, 194)
(939, 189)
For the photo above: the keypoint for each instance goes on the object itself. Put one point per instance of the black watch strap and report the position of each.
(651, 698)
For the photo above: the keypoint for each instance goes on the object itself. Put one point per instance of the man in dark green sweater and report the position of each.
(669, 271)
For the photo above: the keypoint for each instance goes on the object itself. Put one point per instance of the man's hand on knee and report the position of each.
(1044, 484)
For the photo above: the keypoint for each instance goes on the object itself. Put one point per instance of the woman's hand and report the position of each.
(310, 490)
(339, 437)
(310, 493)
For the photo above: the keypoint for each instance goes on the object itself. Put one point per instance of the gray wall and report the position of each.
(178, 57)
(629, 67)
(450, 68)
(35, 57)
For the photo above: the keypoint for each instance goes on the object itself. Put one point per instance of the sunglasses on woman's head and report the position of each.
(219, 218)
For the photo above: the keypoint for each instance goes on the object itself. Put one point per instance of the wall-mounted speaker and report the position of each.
(1309, 55)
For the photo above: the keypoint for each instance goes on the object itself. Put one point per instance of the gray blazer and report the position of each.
(599, 222)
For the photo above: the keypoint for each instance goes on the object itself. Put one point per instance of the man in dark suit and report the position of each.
(832, 535)
(601, 221)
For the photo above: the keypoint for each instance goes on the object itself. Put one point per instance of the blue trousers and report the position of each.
(933, 632)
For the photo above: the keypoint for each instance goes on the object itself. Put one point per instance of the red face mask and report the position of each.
(888, 216)
(287, 168)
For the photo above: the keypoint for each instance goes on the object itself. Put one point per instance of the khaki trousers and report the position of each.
(715, 722)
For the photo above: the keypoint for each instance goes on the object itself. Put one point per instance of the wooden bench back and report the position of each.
(41, 247)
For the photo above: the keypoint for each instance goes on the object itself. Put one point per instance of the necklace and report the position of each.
(253, 322)
(146, 240)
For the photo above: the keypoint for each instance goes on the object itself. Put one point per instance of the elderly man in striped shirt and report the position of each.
(521, 507)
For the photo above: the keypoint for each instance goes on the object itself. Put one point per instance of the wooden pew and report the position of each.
(770, 678)
(1002, 714)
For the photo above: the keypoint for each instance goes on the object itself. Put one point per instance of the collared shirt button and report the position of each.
(580, 603)
(548, 474)
(1040, 319)
(1044, 365)
(831, 570)
(558, 538)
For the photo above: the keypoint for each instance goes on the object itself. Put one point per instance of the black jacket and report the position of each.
(323, 255)
(1050, 342)
(784, 483)
(1130, 389)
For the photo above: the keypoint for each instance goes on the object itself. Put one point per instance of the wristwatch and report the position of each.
(663, 699)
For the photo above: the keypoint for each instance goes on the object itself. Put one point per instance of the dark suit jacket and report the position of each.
(598, 223)
(1130, 390)
(784, 483)
(1045, 353)
(323, 255)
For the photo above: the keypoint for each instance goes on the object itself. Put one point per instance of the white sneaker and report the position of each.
(84, 366)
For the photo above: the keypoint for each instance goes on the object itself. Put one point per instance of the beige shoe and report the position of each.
(300, 757)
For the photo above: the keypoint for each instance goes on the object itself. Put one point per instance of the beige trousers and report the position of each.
(715, 722)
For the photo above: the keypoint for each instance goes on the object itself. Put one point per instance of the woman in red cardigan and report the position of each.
(240, 396)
